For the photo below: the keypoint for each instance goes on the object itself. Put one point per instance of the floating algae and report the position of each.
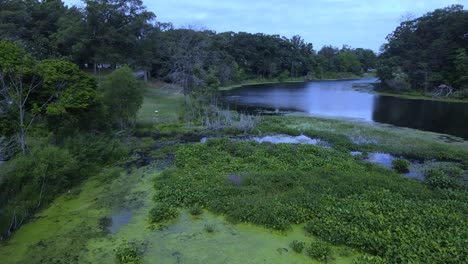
(69, 231)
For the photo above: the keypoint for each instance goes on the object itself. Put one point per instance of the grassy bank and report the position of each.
(290, 80)
(418, 95)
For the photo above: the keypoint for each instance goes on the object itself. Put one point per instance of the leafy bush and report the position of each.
(95, 150)
(210, 228)
(129, 254)
(320, 250)
(162, 212)
(32, 181)
(196, 210)
(439, 179)
(123, 95)
(297, 246)
(461, 94)
(401, 165)
(369, 260)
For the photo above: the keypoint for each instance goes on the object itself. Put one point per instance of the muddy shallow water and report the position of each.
(69, 232)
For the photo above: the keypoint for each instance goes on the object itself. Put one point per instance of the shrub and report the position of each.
(401, 165)
(297, 246)
(129, 254)
(196, 210)
(110, 174)
(32, 181)
(439, 179)
(210, 228)
(320, 250)
(162, 212)
(461, 94)
(92, 150)
(123, 96)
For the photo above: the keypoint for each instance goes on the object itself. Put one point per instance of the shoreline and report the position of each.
(230, 87)
(369, 88)
(364, 87)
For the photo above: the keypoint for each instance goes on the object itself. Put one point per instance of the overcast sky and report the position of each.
(358, 23)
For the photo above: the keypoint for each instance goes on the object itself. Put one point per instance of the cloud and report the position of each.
(358, 23)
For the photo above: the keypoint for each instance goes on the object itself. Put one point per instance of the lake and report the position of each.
(340, 99)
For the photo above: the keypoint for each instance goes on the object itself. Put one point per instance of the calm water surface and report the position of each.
(339, 99)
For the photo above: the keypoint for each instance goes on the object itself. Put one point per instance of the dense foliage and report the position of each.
(30, 182)
(111, 32)
(123, 96)
(54, 113)
(344, 201)
(401, 165)
(427, 52)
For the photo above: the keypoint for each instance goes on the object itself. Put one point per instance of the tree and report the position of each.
(366, 57)
(461, 69)
(114, 27)
(428, 50)
(18, 81)
(73, 92)
(347, 61)
(188, 51)
(123, 96)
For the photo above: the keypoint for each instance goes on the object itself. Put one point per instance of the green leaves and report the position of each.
(14, 60)
(123, 96)
(401, 165)
(341, 200)
(427, 52)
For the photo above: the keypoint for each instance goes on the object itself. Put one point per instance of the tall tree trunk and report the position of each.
(22, 129)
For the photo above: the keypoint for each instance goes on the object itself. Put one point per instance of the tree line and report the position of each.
(428, 54)
(115, 32)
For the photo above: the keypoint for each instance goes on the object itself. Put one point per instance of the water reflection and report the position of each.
(119, 219)
(339, 99)
(442, 117)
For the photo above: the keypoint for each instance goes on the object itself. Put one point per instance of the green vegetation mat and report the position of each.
(342, 200)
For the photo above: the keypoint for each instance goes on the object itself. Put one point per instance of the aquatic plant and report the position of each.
(210, 228)
(297, 246)
(331, 191)
(129, 254)
(104, 222)
(366, 259)
(162, 212)
(320, 250)
(438, 178)
(196, 210)
(401, 165)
